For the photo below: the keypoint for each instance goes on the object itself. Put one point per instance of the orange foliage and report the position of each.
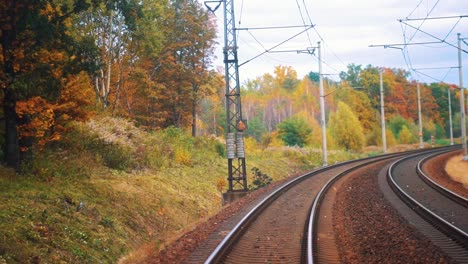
(45, 121)
(40, 118)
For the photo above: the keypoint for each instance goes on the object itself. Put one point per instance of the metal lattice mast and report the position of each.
(235, 124)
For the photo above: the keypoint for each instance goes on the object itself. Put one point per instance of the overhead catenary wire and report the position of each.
(433, 18)
(427, 75)
(275, 46)
(437, 68)
(420, 2)
(424, 20)
(323, 40)
(404, 25)
(269, 57)
(431, 35)
(405, 50)
(303, 21)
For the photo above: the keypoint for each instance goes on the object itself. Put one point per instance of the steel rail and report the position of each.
(224, 245)
(436, 186)
(220, 251)
(227, 241)
(315, 209)
(433, 218)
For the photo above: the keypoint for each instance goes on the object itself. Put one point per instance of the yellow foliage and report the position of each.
(182, 156)
(276, 140)
(405, 136)
(250, 144)
(391, 140)
(221, 184)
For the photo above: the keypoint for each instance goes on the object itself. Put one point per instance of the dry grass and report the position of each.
(457, 169)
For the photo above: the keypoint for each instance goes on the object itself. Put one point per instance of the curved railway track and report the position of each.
(322, 244)
(282, 228)
(273, 231)
(445, 210)
(438, 187)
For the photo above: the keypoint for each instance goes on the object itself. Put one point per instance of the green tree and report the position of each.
(294, 131)
(352, 75)
(346, 129)
(256, 128)
(314, 76)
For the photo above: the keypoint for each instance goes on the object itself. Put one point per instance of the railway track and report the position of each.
(446, 211)
(322, 241)
(274, 230)
(283, 227)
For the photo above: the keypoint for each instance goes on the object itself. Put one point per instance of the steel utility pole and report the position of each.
(421, 144)
(450, 115)
(462, 100)
(322, 108)
(382, 114)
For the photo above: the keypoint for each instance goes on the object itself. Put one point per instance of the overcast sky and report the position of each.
(346, 29)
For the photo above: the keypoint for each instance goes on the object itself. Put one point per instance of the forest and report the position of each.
(152, 62)
(113, 122)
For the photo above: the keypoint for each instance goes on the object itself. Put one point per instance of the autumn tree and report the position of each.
(37, 52)
(346, 129)
(405, 136)
(359, 102)
(180, 70)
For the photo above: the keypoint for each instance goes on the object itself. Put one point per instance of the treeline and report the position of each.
(146, 60)
(280, 105)
(151, 61)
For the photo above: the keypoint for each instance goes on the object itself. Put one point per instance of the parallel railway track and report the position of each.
(274, 231)
(282, 228)
(445, 210)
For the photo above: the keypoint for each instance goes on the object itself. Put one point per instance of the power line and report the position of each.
(432, 18)
(450, 44)
(259, 43)
(424, 20)
(427, 75)
(458, 21)
(405, 50)
(281, 43)
(404, 44)
(437, 68)
(420, 2)
(303, 21)
(240, 16)
(276, 27)
(270, 57)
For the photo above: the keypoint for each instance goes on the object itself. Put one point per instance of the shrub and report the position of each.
(259, 179)
(220, 149)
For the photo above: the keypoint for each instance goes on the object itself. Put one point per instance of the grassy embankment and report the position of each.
(107, 188)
